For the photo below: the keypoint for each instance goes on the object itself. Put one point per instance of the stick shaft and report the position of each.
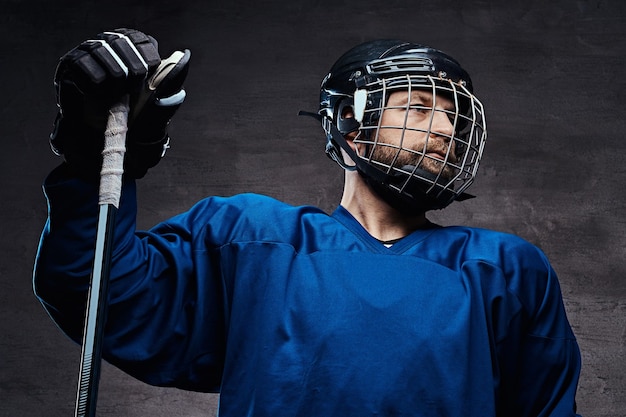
(97, 298)
(89, 375)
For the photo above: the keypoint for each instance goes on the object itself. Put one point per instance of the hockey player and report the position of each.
(288, 311)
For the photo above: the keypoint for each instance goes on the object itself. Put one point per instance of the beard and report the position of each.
(405, 159)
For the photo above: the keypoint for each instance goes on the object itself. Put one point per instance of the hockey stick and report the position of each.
(109, 197)
(169, 74)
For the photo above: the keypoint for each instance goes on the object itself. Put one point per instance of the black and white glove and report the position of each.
(96, 74)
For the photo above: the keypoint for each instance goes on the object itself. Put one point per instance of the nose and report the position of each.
(441, 125)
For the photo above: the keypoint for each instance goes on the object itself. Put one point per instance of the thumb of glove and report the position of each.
(154, 107)
(165, 86)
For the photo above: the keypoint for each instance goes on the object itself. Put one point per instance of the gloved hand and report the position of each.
(90, 78)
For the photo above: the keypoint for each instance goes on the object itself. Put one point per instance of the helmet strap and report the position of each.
(334, 138)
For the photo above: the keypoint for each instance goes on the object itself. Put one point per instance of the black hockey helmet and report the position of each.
(358, 86)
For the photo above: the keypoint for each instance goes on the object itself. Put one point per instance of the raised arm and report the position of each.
(146, 335)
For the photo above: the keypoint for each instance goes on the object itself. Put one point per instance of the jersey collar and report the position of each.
(344, 217)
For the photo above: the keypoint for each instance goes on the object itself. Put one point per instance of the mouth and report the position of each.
(440, 155)
(436, 155)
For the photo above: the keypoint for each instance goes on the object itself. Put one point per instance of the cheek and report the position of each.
(393, 117)
(453, 150)
(406, 137)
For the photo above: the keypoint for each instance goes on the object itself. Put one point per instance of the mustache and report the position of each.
(446, 152)
(443, 152)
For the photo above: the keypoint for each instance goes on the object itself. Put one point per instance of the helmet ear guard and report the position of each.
(345, 124)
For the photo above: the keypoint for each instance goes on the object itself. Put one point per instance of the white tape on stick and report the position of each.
(113, 154)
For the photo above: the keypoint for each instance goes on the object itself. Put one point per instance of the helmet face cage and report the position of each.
(443, 162)
(414, 163)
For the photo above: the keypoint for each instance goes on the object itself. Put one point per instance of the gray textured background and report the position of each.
(552, 78)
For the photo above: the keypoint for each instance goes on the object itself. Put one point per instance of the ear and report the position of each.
(347, 112)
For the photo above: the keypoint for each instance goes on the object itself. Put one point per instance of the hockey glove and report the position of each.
(95, 75)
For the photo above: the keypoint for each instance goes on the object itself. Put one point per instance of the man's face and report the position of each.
(408, 137)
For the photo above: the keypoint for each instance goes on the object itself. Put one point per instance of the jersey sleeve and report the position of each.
(539, 358)
(163, 284)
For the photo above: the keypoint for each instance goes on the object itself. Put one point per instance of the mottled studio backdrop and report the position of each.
(550, 73)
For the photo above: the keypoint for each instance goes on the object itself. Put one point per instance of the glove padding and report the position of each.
(90, 78)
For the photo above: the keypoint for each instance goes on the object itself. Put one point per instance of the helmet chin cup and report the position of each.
(422, 192)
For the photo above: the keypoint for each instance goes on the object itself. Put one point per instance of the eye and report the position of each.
(419, 107)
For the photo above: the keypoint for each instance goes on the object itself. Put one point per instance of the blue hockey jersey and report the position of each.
(289, 311)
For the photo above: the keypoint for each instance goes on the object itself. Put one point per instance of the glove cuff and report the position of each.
(141, 156)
